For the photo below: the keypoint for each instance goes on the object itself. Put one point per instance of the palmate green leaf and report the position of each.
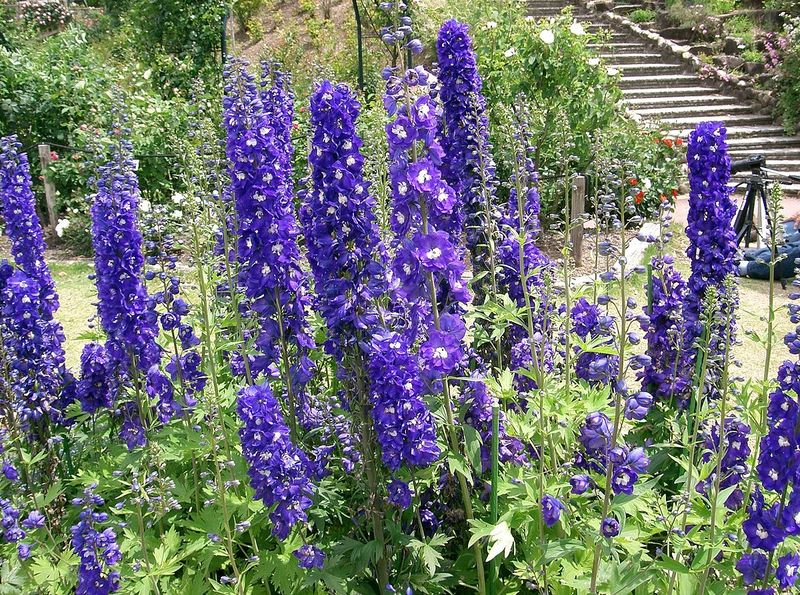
(561, 548)
(430, 556)
(501, 541)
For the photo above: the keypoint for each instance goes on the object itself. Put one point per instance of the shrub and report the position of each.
(642, 15)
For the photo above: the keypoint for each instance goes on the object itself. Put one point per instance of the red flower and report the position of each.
(633, 181)
(662, 198)
(679, 141)
(668, 142)
(639, 197)
(53, 156)
(674, 193)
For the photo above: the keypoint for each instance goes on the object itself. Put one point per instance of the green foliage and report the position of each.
(788, 83)
(642, 15)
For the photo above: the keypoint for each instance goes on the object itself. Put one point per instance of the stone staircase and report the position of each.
(662, 92)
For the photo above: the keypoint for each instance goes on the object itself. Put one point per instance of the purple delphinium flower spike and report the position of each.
(712, 240)
(468, 166)
(278, 470)
(591, 325)
(96, 548)
(270, 271)
(36, 359)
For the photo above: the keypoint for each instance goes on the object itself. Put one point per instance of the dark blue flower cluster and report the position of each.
(97, 385)
(403, 423)
(595, 328)
(669, 376)
(598, 452)
(712, 240)
(269, 258)
(33, 338)
(343, 241)
(736, 449)
(119, 262)
(97, 549)
(309, 556)
(278, 470)
(469, 167)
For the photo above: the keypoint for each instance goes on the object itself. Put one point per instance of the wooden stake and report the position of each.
(577, 207)
(49, 187)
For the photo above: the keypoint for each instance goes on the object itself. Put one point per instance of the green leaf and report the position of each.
(500, 541)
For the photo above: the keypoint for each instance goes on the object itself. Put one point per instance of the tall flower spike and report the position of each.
(469, 166)
(119, 261)
(269, 257)
(712, 240)
(669, 376)
(278, 470)
(37, 361)
(343, 241)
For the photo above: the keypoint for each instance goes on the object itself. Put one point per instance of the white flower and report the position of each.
(576, 28)
(61, 227)
(612, 71)
(547, 36)
(144, 205)
(178, 198)
(177, 214)
(593, 61)
(648, 184)
(490, 25)
(510, 52)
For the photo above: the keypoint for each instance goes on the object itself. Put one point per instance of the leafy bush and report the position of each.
(642, 15)
(788, 77)
(44, 14)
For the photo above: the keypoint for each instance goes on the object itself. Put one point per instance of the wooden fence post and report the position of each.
(49, 187)
(577, 206)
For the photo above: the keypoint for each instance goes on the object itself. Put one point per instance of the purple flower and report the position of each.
(762, 528)
(441, 352)
(596, 432)
(637, 406)
(400, 494)
(551, 510)
(270, 273)
(753, 567)
(590, 325)
(96, 387)
(609, 527)
(23, 551)
(712, 240)
(36, 356)
(96, 548)
(10, 472)
(35, 520)
(468, 167)
(580, 483)
(278, 470)
(309, 557)
(345, 251)
(669, 375)
(787, 570)
(403, 423)
(623, 480)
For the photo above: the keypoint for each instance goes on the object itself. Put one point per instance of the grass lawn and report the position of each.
(77, 295)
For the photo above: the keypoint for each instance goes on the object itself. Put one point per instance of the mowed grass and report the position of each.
(77, 297)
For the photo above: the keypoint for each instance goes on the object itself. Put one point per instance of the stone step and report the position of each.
(648, 68)
(709, 112)
(629, 58)
(618, 45)
(680, 92)
(676, 100)
(748, 140)
(733, 122)
(658, 80)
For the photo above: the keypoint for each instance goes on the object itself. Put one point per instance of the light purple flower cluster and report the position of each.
(278, 470)
(469, 167)
(403, 423)
(591, 325)
(97, 549)
(669, 376)
(344, 247)
(33, 338)
(269, 258)
(712, 240)
(734, 461)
